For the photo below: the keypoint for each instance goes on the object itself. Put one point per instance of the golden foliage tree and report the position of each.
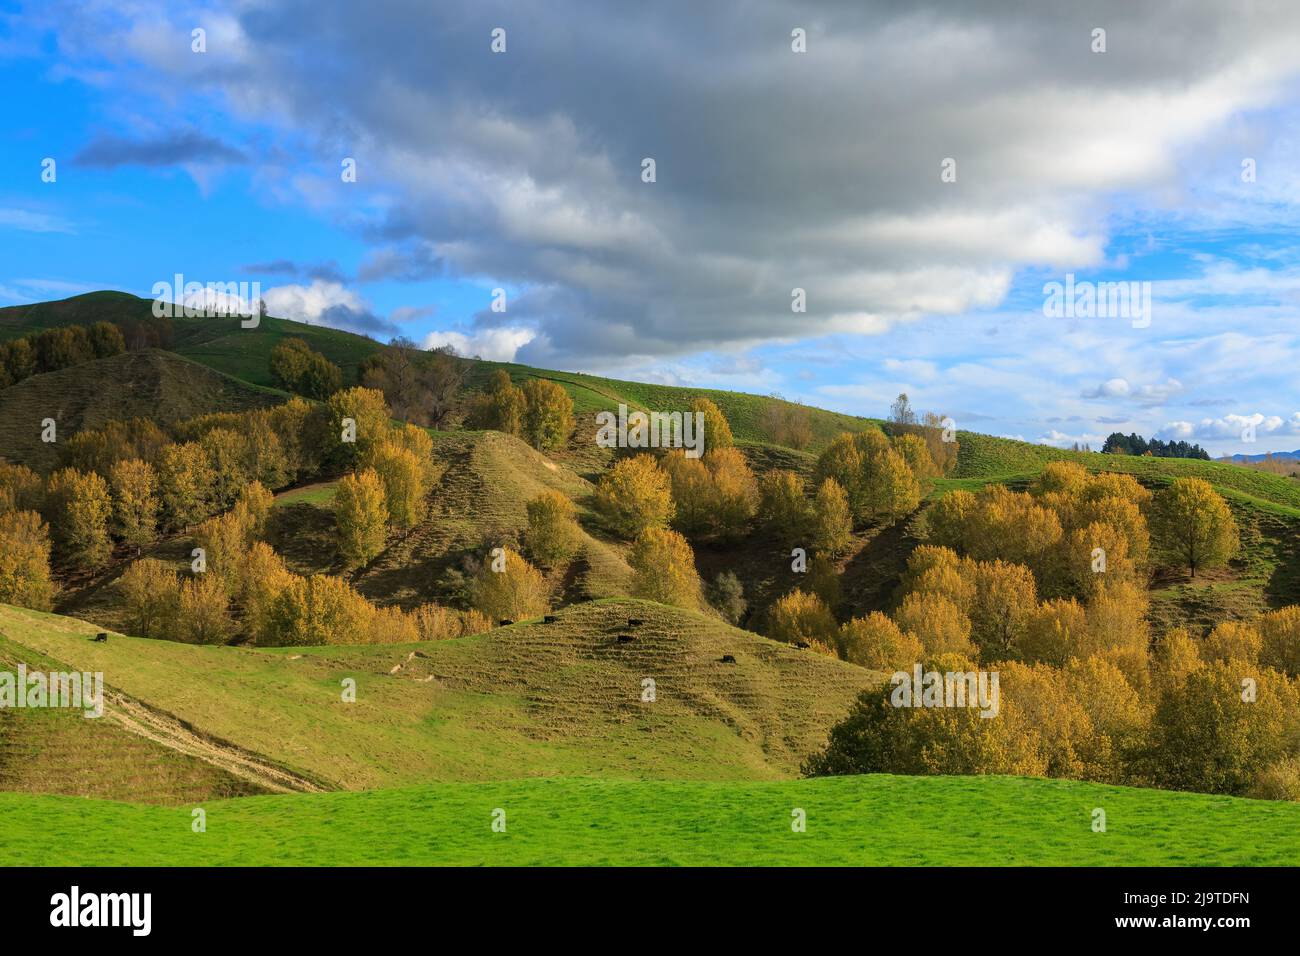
(663, 567)
(801, 617)
(877, 643)
(360, 515)
(937, 623)
(135, 502)
(151, 593)
(635, 495)
(1194, 524)
(514, 592)
(25, 561)
(203, 611)
(548, 413)
(832, 522)
(717, 431)
(78, 508)
(184, 482)
(553, 535)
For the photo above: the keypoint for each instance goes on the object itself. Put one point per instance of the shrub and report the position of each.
(727, 596)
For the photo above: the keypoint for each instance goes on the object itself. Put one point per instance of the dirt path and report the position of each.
(162, 728)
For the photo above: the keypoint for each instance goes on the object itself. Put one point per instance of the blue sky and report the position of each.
(775, 170)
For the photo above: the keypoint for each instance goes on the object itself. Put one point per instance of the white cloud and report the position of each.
(496, 345)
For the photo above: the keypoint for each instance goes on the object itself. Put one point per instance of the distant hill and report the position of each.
(152, 383)
(1276, 455)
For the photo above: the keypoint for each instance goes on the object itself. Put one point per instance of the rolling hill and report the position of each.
(529, 699)
(150, 383)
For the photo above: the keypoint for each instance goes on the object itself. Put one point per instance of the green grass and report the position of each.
(872, 820)
(528, 700)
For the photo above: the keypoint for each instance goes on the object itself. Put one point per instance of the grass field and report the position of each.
(873, 820)
(530, 699)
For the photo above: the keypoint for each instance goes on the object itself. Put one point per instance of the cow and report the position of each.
(100, 638)
(505, 623)
(727, 659)
(549, 619)
(634, 622)
(625, 638)
(801, 644)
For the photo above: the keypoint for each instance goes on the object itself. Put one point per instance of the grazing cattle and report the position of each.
(801, 644)
(549, 619)
(625, 638)
(634, 622)
(727, 659)
(101, 637)
(503, 622)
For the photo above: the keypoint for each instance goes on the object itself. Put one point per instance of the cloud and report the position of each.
(168, 149)
(1233, 427)
(1152, 394)
(775, 170)
(325, 271)
(327, 303)
(24, 220)
(496, 345)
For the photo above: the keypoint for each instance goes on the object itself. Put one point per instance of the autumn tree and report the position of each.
(21, 489)
(296, 367)
(877, 643)
(553, 535)
(509, 588)
(1005, 595)
(1210, 737)
(361, 517)
(832, 522)
(185, 480)
(783, 507)
(151, 592)
(78, 509)
(134, 489)
(1280, 640)
(801, 617)
(1194, 524)
(663, 567)
(358, 419)
(1054, 632)
(935, 621)
(501, 406)
(25, 561)
(1233, 641)
(548, 413)
(405, 482)
(635, 495)
(318, 610)
(203, 611)
(717, 431)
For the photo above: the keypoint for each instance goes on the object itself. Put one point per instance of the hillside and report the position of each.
(152, 383)
(532, 699)
(875, 820)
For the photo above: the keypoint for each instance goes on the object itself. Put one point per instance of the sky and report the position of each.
(923, 172)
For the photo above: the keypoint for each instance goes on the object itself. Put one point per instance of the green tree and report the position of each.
(1194, 524)
(78, 508)
(135, 502)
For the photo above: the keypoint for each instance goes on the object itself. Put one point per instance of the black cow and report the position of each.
(101, 637)
(801, 644)
(549, 619)
(634, 622)
(503, 622)
(625, 638)
(727, 659)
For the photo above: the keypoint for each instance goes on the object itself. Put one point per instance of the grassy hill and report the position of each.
(875, 820)
(152, 383)
(530, 699)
